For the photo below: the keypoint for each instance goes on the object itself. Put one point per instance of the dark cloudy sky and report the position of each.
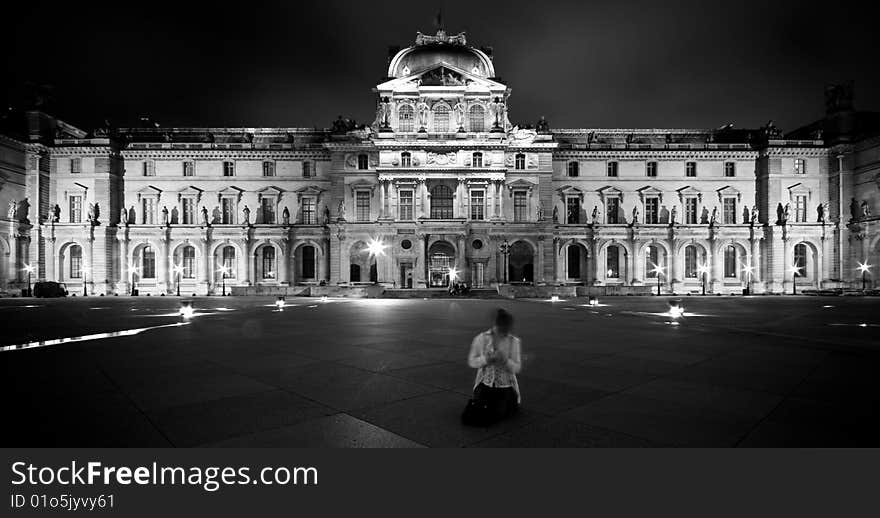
(581, 63)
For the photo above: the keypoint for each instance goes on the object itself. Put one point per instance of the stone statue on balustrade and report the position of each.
(246, 212)
(594, 216)
(285, 216)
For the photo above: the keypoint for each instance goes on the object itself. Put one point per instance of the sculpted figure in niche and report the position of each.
(205, 216)
(165, 215)
(820, 213)
(555, 214)
(673, 214)
(786, 212)
(635, 218)
(423, 114)
(56, 214)
(539, 212)
(247, 215)
(714, 217)
(459, 114)
(780, 214)
(340, 211)
(285, 216)
(123, 216)
(595, 215)
(326, 215)
(754, 219)
(866, 209)
(13, 209)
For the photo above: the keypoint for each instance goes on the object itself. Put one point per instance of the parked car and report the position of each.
(50, 289)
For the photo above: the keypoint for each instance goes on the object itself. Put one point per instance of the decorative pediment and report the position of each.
(728, 192)
(76, 188)
(609, 191)
(649, 191)
(230, 192)
(190, 191)
(689, 192)
(270, 191)
(799, 189)
(309, 190)
(361, 185)
(149, 192)
(440, 74)
(521, 184)
(569, 190)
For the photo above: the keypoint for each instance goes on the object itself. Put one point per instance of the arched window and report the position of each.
(441, 119)
(76, 255)
(574, 169)
(800, 259)
(405, 118)
(612, 262)
(148, 263)
(478, 159)
(406, 159)
(441, 202)
(229, 262)
(519, 161)
(268, 262)
(363, 162)
(690, 262)
(652, 261)
(730, 262)
(477, 118)
(189, 262)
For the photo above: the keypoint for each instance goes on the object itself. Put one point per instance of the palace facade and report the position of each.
(441, 183)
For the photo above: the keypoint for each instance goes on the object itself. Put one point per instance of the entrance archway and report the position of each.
(441, 257)
(576, 259)
(362, 263)
(521, 266)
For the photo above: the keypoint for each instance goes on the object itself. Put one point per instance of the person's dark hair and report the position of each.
(503, 320)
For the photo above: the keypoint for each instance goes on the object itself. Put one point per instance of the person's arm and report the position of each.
(514, 362)
(476, 358)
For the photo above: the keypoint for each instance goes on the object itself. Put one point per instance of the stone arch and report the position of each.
(297, 256)
(441, 258)
(521, 261)
(363, 266)
(239, 267)
(575, 257)
(624, 259)
(63, 258)
(743, 258)
(643, 267)
(178, 260)
(268, 267)
(5, 266)
(136, 260)
(701, 260)
(811, 270)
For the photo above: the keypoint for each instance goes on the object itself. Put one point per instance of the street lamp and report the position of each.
(659, 271)
(30, 269)
(85, 285)
(795, 272)
(864, 268)
(453, 273)
(748, 269)
(132, 269)
(376, 247)
(703, 270)
(224, 271)
(178, 270)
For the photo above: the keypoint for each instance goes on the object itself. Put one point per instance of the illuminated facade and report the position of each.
(442, 179)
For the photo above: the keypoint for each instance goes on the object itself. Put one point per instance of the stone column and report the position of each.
(162, 260)
(539, 267)
(501, 198)
(125, 275)
(248, 273)
(672, 268)
(755, 243)
(284, 262)
(714, 267)
(557, 259)
(460, 258)
(51, 260)
(324, 269)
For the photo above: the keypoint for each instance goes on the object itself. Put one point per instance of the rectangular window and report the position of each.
(690, 169)
(228, 168)
(800, 166)
(362, 203)
(307, 169)
(800, 209)
(148, 268)
(268, 262)
(652, 211)
(573, 210)
(75, 262)
(652, 262)
(189, 169)
(478, 201)
(574, 169)
(267, 207)
(188, 211)
(76, 206)
(189, 263)
(149, 168)
(308, 211)
(690, 262)
(730, 262)
(75, 165)
(520, 211)
(520, 161)
(227, 211)
(363, 162)
(690, 211)
(730, 169)
(268, 168)
(729, 214)
(406, 205)
(478, 160)
(405, 159)
(613, 262)
(651, 169)
(612, 210)
(611, 169)
(149, 208)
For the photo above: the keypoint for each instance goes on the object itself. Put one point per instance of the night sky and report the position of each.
(608, 64)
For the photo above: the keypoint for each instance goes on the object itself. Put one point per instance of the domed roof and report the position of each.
(433, 50)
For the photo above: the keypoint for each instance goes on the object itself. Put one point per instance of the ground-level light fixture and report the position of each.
(224, 271)
(554, 298)
(703, 271)
(279, 302)
(675, 309)
(178, 271)
(186, 309)
(324, 298)
(594, 301)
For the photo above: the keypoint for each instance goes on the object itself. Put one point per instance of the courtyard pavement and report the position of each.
(735, 371)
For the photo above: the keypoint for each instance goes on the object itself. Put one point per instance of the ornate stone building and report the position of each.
(441, 180)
